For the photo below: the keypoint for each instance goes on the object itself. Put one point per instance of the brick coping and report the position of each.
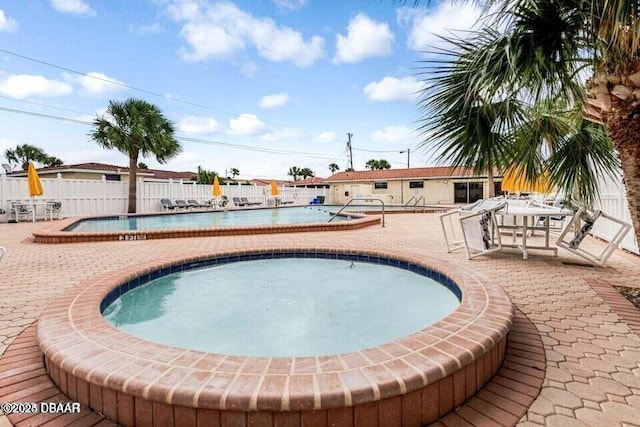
(56, 232)
(77, 340)
(504, 400)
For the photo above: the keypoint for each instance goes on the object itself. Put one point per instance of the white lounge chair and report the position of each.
(477, 226)
(589, 218)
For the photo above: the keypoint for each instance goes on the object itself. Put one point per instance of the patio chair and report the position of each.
(589, 218)
(53, 207)
(167, 204)
(248, 203)
(180, 203)
(238, 202)
(23, 208)
(224, 201)
(476, 225)
(195, 204)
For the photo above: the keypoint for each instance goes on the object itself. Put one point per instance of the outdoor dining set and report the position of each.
(478, 227)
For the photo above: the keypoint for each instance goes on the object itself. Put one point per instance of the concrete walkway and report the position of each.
(592, 355)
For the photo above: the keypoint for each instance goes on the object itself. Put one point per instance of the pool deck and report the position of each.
(589, 334)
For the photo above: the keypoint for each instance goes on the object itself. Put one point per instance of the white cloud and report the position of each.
(245, 125)
(76, 7)
(219, 30)
(144, 30)
(290, 4)
(199, 125)
(275, 100)
(365, 38)
(325, 137)
(7, 24)
(24, 85)
(426, 25)
(95, 83)
(283, 133)
(394, 134)
(394, 89)
(247, 68)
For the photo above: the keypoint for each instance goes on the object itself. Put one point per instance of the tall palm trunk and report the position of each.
(490, 183)
(623, 124)
(133, 181)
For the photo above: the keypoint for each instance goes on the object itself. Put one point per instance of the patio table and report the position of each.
(14, 209)
(535, 213)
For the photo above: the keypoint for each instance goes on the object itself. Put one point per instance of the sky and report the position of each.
(257, 85)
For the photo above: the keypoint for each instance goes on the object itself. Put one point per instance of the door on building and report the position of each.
(467, 192)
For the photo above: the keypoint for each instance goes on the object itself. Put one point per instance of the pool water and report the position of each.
(282, 307)
(296, 215)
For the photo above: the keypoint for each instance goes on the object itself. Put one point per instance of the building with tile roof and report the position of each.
(93, 170)
(438, 185)
(313, 182)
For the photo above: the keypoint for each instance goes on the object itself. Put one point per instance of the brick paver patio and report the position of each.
(592, 354)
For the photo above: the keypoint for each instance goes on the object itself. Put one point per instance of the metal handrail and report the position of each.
(406, 205)
(363, 199)
(415, 205)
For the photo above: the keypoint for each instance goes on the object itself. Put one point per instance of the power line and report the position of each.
(183, 138)
(24, 101)
(117, 83)
(113, 82)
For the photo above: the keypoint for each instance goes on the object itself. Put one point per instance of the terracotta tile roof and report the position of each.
(418, 173)
(161, 174)
(310, 181)
(104, 167)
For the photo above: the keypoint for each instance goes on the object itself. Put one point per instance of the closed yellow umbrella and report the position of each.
(215, 189)
(515, 181)
(33, 180)
(274, 188)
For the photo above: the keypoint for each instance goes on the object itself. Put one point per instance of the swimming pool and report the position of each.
(199, 224)
(283, 307)
(296, 215)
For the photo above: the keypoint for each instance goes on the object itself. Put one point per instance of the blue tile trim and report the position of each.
(439, 277)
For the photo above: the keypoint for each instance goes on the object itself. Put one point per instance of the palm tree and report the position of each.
(234, 172)
(294, 171)
(383, 164)
(207, 177)
(306, 173)
(371, 164)
(546, 49)
(333, 167)
(464, 128)
(377, 164)
(25, 153)
(136, 128)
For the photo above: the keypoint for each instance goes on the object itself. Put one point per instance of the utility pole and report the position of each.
(408, 155)
(349, 135)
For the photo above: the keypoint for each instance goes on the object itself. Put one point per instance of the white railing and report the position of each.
(102, 197)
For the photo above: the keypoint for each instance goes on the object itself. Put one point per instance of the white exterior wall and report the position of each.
(398, 192)
(101, 197)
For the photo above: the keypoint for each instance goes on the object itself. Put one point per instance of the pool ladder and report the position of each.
(415, 203)
(362, 200)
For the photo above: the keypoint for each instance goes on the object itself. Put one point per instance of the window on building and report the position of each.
(467, 192)
(112, 177)
(380, 185)
(497, 187)
(416, 184)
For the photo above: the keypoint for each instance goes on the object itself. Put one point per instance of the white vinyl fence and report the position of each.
(613, 200)
(100, 197)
